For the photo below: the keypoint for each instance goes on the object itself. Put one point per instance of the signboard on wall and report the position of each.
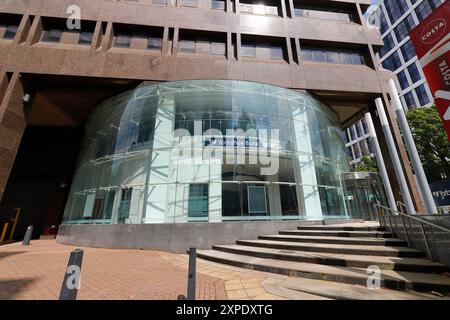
(441, 192)
(431, 39)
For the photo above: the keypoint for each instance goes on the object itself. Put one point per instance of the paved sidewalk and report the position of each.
(36, 272)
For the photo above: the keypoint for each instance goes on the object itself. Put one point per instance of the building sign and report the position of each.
(441, 192)
(431, 39)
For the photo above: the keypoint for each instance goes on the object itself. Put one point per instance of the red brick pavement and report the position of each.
(37, 271)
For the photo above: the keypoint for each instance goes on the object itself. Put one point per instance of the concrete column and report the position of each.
(380, 161)
(24, 29)
(12, 126)
(412, 150)
(283, 9)
(165, 44)
(395, 158)
(35, 31)
(289, 51)
(238, 46)
(175, 41)
(108, 37)
(97, 37)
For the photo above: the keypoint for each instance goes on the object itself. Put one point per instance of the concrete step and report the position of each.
(335, 233)
(335, 248)
(388, 279)
(341, 228)
(343, 291)
(345, 260)
(337, 240)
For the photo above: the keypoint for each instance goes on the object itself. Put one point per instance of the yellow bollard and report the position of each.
(5, 227)
(15, 222)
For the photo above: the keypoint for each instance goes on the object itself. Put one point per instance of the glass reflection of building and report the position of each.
(128, 171)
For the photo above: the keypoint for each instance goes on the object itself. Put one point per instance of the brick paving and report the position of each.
(36, 272)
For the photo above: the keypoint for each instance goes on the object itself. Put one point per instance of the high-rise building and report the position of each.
(398, 18)
(94, 96)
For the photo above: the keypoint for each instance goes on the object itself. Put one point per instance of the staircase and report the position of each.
(322, 256)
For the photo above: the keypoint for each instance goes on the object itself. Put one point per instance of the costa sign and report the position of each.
(433, 31)
(431, 40)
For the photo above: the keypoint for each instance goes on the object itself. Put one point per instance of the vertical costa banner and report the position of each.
(431, 39)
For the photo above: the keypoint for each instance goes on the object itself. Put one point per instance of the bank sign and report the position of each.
(431, 39)
(441, 192)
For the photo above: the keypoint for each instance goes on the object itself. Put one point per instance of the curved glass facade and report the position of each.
(209, 151)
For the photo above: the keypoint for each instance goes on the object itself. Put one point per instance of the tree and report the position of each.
(431, 141)
(367, 164)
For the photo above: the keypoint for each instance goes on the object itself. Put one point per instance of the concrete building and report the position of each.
(88, 116)
(398, 18)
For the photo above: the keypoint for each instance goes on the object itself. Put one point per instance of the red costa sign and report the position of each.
(431, 39)
(433, 31)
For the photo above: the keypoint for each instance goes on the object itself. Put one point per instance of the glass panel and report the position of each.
(124, 206)
(129, 143)
(257, 200)
(85, 38)
(198, 200)
(52, 35)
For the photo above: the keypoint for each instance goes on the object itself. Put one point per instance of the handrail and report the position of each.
(401, 204)
(388, 212)
(414, 218)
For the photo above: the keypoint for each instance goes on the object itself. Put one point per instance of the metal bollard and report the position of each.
(192, 273)
(27, 238)
(72, 277)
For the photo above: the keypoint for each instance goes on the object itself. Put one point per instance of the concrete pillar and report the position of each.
(12, 126)
(108, 38)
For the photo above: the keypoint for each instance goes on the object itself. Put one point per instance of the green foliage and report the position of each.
(367, 164)
(431, 141)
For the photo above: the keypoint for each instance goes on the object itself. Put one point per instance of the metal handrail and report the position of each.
(390, 212)
(414, 218)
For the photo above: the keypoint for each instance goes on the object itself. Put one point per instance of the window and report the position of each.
(85, 38)
(395, 9)
(392, 62)
(402, 30)
(332, 56)
(218, 48)
(276, 53)
(257, 200)
(414, 73)
(410, 101)
(122, 41)
(52, 35)
(154, 43)
(389, 44)
(425, 8)
(10, 32)
(404, 83)
(124, 206)
(248, 50)
(189, 3)
(334, 14)
(422, 95)
(218, 5)
(198, 201)
(160, 2)
(258, 9)
(408, 51)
